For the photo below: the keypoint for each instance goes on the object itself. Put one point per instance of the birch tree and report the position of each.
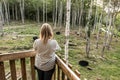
(112, 8)
(107, 33)
(43, 11)
(88, 30)
(1, 21)
(22, 10)
(53, 11)
(46, 9)
(99, 29)
(80, 16)
(6, 11)
(60, 14)
(67, 29)
(116, 9)
(74, 13)
(56, 14)
(8, 6)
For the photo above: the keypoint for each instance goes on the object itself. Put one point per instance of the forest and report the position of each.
(87, 30)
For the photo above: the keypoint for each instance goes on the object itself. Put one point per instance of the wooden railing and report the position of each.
(62, 71)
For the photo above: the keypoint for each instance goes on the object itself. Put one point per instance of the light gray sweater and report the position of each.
(45, 54)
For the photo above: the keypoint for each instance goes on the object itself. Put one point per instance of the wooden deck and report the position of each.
(62, 71)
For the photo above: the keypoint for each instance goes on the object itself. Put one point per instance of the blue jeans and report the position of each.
(45, 75)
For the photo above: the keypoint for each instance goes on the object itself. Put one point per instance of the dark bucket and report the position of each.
(83, 63)
(58, 33)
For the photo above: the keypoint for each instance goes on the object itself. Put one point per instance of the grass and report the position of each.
(19, 37)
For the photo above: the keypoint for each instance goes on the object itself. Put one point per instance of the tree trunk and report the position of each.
(53, 14)
(16, 12)
(73, 18)
(46, 9)
(55, 24)
(19, 13)
(104, 44)
(88, 46)
(60, 14)
(96, 20)
(22, 10)
(98, 34)
(1, 21)
(106, 39)
(6, 11)
(67, 30)
(13, 14)
(38, 15)
(88, 30)
(64, 16)
(80, 16)
(1, 12)
(108, 28)
(43, 11)
(112, 31)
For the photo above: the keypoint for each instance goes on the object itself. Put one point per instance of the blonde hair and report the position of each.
(46, 32)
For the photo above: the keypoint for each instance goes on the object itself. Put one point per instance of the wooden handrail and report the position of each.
(71, 75)
(17, 55)
(30, 53)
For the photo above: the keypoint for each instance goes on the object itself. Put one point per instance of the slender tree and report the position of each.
(43, 11)
(46, 9)
(8, 5)
(22, 10)
(80, 16)
(13, 12)
(37, 6)
(99, 29)
(111, 8)
(1, 21)
(74, 13)
(88, 30)
(56, 14)
(116, 9)
(60, 14)
(6, 11)
(16, 12)
(95, 19)
(67, 29)
(53, 11)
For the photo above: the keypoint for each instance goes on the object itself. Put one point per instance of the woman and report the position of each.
(45, 48)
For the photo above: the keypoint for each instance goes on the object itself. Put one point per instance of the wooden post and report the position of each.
(13, 69)
(58, 77)
(32, 61)
(77, 73)
(23, 69)
(2, 71)
(63, 75)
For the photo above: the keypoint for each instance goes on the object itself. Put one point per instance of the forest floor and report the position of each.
(108, 68)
